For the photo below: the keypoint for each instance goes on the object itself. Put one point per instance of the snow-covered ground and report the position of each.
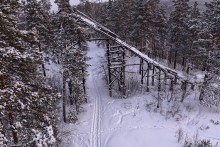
(135, 121)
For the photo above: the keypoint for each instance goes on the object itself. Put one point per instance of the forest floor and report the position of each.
(136, 121)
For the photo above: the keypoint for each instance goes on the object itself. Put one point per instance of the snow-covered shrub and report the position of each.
(187, 143)
(55, 82)
(210, 92)
(72, 117)
(179, 134)
(204, 143)
(45, 138)
(173, 110)
(195, 142)
(132, 85)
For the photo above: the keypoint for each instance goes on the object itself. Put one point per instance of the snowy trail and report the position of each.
(96, 119)
(133, 122)
(94, 136)
(95, 96)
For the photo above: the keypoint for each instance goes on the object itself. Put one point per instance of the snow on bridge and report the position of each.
(108, 33)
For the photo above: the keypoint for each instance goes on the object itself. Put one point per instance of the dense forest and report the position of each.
(30, 34)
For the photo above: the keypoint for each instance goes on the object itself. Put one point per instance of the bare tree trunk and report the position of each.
(183, 61)
(152, 82)
(43, 67)
(184, 86)
(2, 85)
(10, 115)
(70, 86)
(170, 57)
(14, 132)
(175, 60)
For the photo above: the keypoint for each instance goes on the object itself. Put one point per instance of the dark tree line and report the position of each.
(30, 31)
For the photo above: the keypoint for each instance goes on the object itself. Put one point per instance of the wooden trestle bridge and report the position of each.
(116, 53)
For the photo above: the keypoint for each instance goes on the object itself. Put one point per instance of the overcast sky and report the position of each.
(72, 2)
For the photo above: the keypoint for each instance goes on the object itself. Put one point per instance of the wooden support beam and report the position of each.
(97, 39)
(184, 87)
(171, 84)
(142, 71)
(153, 71)
(159, 81)
(84, 81)
(123, 74)
(109, 69)
(148, 74)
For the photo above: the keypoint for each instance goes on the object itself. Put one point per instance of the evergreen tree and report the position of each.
(208, 46)
(24, 96)
(195, 26)
(72, 46)
(179, 31)
(3, 140)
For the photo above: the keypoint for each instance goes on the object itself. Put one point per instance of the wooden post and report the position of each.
(187, 70)
(142, 71)
(84, 81)
(159, 88)
(109, 69)
(148, 74)
(123, 73)
(171, 84)
(184, 87)
(175, 80)
(141, 66)
(159, 80)
(192, 86)
(153, 71)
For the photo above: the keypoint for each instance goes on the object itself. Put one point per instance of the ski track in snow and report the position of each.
(95, 137)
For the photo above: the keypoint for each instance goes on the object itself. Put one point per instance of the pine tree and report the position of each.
(208, 46)
(195, 26)
(3, 140)
(179, 32)
(37, 16)
(72, 46)
(22, 91)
